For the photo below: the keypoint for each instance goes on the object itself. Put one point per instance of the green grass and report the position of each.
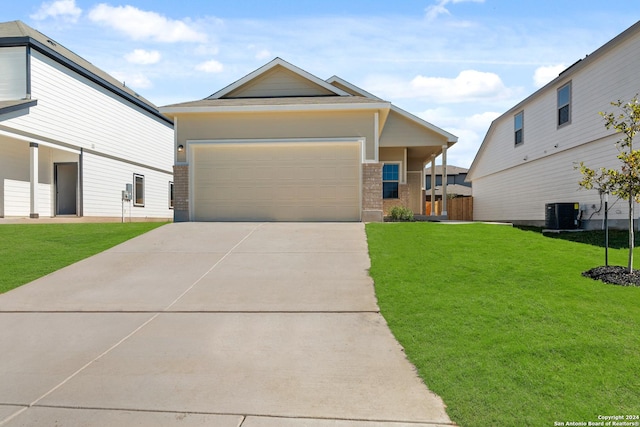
(35, 250)
(501, 324)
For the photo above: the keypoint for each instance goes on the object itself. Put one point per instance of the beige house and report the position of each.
(283, 145)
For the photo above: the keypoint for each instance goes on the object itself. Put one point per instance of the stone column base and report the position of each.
(372, 216)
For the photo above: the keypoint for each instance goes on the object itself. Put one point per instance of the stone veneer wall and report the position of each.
(372, 192)
(402, 200)
(180, 193)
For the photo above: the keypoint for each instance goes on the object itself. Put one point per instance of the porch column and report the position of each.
(444, 180)
(433, 185)
(33, 180)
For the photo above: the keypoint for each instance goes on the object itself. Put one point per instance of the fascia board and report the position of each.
(276, 108)
(353, 87)
(19, 105)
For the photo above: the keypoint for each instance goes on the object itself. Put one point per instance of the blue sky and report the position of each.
(456, 63)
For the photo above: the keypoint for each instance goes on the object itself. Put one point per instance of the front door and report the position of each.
(66, 177)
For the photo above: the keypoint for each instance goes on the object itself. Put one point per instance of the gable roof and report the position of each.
(632, 31)
(17, 33)
(277, 62)
(337, 81)
(310, 94)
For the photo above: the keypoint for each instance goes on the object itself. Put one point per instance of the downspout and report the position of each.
(80, 183)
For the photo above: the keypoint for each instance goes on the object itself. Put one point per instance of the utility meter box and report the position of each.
(127, 194)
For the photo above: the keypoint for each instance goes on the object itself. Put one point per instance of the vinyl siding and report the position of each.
(104, 180)
(17, 199)
(278, 125)
(402, 132)
(520, 194)
(13, 77)
(613, 76)
(278, 82)
(514, 183)
(76, 111)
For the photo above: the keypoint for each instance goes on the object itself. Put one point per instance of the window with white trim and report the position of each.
(390, 180)
(138, 190)
(518, 128)
(564, 104)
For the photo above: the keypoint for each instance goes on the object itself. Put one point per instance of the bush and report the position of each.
(400, 213)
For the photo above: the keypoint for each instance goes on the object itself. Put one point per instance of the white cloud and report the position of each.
(469, 85)
(544, 75)
(133, 80)
(212, 66)
(144, 57)
(63, 9)
(433, 11)
(263, 54)
(144, 25)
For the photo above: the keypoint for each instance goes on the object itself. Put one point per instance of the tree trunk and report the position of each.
(631, 234)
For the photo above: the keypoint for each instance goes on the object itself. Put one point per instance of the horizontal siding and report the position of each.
(520, 194)
(17, 198)
(613, 76)
(13, 74)
(279, 82)
(104, 180)
(76, 111)
(401, 132)
(345, 124)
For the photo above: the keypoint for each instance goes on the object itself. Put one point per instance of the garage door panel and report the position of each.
(276, 182)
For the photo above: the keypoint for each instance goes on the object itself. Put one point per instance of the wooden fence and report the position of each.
(459, 209)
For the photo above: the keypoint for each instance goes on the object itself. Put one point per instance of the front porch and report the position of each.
(38, 180)
(409, 191)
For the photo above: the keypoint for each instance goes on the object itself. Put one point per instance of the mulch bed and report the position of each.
(614, 275)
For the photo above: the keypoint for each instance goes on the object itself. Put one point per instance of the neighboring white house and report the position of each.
(529, 154)
(72, 137)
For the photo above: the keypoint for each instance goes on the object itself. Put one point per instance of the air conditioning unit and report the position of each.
(561, 216)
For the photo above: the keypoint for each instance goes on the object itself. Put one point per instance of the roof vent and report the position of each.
(51, 42)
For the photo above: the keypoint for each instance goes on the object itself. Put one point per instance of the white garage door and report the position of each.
(276, 181)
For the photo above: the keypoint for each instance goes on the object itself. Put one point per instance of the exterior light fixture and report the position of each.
(180, 148)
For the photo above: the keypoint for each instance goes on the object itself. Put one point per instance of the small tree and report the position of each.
(623, 183)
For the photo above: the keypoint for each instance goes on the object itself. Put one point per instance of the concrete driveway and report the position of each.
(216, 324)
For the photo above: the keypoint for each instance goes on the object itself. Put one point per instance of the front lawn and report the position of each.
(501, 324)
(29, 251)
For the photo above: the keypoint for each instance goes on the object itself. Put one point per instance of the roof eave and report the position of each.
(274, 108)
(19, 105)
(26, 40)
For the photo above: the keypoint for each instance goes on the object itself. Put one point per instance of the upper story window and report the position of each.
(518, 128)
(564, 104)
(390, 180)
